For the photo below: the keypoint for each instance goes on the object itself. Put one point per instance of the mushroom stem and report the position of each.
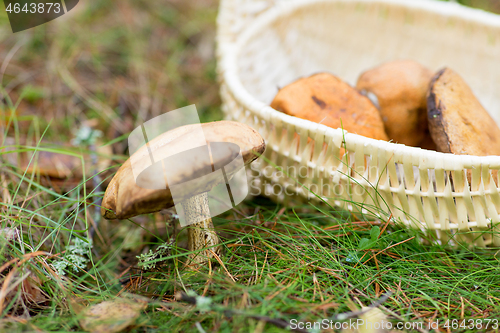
(200, 234)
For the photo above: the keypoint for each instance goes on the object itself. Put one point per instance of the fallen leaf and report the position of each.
(110, 316)
(65, 164)
(372, 321)
(376, 318)
(31, 291)
(57, 165)
(30, 284)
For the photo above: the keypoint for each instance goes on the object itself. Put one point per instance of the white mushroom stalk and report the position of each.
(201, 235)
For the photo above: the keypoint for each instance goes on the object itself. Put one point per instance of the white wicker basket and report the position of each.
(263, 45)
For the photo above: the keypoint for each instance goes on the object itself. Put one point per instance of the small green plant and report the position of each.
(365, 243)
(148, 260)
(76, 256)
(86, 136)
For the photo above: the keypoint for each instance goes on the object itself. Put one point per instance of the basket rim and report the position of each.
(228, 64)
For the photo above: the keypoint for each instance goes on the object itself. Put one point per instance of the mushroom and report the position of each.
(183, 177)
(326, 99)
(458, 122)
(399, 90)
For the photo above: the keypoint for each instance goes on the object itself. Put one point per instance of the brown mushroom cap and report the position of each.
(401, 90)
(326, 99)
(458, 122)
(124, 198)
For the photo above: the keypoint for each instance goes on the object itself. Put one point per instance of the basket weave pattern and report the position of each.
(263, 45)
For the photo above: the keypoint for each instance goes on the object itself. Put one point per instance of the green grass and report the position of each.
(116, 61)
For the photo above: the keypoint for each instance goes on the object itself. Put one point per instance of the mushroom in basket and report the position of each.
(326, 99)
(400, 91)
(458, 122)
(183, 176)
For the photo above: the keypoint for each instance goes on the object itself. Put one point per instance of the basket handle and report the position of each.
(235, 15)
